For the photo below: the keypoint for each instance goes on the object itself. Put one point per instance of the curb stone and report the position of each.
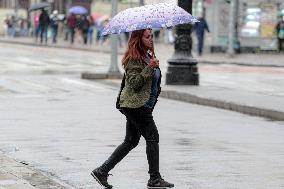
(249, 110)
(239, 64)
(19, 175)
(189, 98)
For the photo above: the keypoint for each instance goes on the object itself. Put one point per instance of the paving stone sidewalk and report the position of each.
(18, 175)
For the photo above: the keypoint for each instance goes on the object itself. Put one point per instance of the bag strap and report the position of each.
(121, 88)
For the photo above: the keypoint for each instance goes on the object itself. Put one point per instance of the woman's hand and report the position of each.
(154, 63)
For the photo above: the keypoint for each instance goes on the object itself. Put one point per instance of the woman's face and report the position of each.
(147, 39)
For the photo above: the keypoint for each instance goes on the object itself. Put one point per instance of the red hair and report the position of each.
(136, 49)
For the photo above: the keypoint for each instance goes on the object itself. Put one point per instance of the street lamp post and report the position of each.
(113, 69)
(232, 23)
(16, 8)
(141, 2)
(182, 68)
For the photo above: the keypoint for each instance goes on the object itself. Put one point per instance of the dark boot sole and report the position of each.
(96, 178)
(151, 187)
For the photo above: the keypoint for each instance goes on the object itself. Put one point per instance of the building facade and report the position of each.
(255, 27)
(19, 8)
(10, 4)
(61, 5)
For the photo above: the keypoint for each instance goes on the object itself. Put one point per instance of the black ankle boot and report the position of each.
(159, 183)
(101, 177)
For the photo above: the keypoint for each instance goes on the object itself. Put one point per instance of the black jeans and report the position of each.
(43, 33)
(139, 122)
(72, 34)
(200, 44)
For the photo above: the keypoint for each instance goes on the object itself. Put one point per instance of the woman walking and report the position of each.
(137, 98)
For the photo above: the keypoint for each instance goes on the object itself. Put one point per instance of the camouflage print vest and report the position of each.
(137, 86)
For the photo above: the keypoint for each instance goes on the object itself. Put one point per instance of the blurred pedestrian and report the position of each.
(100, 27)
(157, 32)
(168, 36)
(5, 25)
(280, 33)
(84, 28)
(44, 22)
(126, 34)
(138, 95)
(11, 24)
(24, 31)
(200, 28)
(91, 29)
(36, 27)
(65, 30)
(54, 25)
(71, 23)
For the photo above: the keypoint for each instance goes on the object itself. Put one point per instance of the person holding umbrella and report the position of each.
(137, 101)
(140, 87)
(72, 23)
(44, 22)
(84, 26)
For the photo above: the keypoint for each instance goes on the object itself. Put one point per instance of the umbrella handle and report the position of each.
(152, 55)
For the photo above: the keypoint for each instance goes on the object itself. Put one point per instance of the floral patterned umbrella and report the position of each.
(149, 16)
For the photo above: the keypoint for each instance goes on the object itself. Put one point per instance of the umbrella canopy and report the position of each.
(78, 10)
(38, 6)
(149, 16)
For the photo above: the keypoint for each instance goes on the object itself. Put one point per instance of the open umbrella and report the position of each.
(37, 6)
(78, 10)
(159, 15)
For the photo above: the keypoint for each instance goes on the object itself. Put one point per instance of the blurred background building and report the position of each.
(255, 23)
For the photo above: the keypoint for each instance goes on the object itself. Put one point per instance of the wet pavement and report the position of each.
(40, 60)
(247, 89)
(263, 59)
(64, 127)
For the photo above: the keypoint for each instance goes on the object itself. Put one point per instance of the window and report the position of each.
(250, 21)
